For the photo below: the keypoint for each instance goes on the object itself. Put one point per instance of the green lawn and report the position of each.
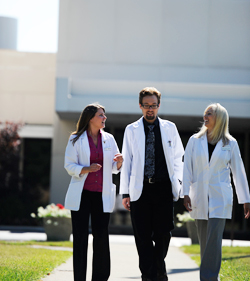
(42, 243)
(20, 262)
(235, 264)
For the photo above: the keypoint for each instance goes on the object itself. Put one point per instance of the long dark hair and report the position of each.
(87, 114)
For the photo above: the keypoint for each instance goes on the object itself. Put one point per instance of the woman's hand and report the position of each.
(119, 159)
(247, 210)
(92, 168)
(187, 203)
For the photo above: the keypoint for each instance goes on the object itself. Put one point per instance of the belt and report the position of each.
(153, 180)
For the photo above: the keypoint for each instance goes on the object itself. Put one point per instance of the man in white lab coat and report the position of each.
(150, 181)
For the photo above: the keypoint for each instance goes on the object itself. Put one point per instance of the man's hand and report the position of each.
(126, 203)
(247, 210)
(187, 203)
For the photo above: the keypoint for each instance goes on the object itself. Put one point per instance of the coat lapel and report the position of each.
(104, 140)
(139, 139)
(167, 144)
(165, 138)
(106, 147)
(216, 151)
(85, 145)
(204, 146)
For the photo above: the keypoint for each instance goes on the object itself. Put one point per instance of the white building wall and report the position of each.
(143, 40)
(195, 52)
(27, 87)
(197, 48)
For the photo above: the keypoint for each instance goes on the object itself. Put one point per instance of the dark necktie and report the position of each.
(150, 153)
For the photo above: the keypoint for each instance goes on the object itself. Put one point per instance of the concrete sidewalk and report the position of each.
(124, 262)
(124, 258)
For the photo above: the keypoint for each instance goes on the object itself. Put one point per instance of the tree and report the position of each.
(10, 182)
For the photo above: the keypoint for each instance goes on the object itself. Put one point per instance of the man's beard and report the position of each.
(151, 117)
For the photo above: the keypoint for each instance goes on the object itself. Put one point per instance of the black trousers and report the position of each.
(152, 220)
(91, 204)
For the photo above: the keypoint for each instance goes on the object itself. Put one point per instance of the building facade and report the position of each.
(194, 52)
(27, 94)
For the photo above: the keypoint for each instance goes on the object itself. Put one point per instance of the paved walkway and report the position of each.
(124, 258)
(124, 263)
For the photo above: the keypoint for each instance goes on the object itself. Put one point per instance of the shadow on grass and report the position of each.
(238, 257)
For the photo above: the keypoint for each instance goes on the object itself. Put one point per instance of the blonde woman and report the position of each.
(210, 155)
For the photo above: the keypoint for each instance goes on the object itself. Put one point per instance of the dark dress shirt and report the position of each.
(161, 171)
(94, 180)
(211, 148)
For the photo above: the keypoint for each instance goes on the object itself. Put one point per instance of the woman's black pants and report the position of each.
(91, 206)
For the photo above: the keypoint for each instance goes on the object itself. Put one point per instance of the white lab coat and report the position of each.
(133, 151)
(208, 184)
(77, 157)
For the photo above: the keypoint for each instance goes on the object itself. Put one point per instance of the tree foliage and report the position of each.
(10, 181)
(9, 157)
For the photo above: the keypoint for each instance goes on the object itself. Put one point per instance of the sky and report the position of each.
(37, 23)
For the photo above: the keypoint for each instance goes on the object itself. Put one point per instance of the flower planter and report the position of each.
(192, 232)
(57, 229)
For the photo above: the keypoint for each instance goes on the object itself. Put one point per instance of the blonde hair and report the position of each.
(220, 130)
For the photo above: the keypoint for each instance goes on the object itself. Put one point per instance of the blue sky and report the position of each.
(37, 23)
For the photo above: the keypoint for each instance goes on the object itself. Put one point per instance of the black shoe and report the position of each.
(146, 279)
(162, 277)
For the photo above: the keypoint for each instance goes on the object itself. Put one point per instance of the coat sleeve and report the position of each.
(127, 162)
(188, 168)
(71, 163)
(239, 175)
(178, 154)
(115, 150)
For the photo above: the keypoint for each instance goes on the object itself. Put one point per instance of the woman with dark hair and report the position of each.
(91, 157)
(210, 156)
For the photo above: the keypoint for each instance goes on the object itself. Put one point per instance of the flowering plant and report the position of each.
(183, 218)
(52, 210)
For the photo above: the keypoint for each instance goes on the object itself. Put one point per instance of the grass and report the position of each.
(235, 262)
(20, 262)
(42, 243)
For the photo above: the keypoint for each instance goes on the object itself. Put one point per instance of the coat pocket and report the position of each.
(227, 194)
(113, 196)
(73, 196)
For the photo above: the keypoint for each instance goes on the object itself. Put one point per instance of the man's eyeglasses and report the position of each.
(147, 106)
